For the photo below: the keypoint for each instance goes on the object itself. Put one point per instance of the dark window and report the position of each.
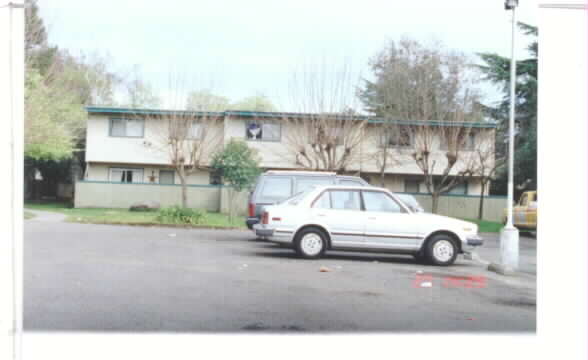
(458, 141)
(398, 138)
(460, 189)
(380, 202)
(345, 200)
(270, 130)
(126, 175)
(411, 186)
(215, 178)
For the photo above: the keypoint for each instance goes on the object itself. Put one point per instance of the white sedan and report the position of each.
(364, 219)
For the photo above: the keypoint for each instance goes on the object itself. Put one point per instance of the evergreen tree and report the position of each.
(497, 71)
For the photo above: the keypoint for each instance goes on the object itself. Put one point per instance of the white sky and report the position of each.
(246, 47)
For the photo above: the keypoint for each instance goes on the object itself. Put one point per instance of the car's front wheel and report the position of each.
(441, 250)
(310, 243)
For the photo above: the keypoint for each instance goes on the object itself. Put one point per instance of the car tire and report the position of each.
(441, 250)
(310, 243)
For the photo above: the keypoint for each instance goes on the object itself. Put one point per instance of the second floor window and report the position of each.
(464, 140)
(195, 130)
(263, 130)
(398, 138)
(127, 127)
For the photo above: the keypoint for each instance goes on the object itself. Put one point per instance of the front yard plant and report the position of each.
(180, 215)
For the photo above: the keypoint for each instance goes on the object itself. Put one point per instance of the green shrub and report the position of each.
(180, 215)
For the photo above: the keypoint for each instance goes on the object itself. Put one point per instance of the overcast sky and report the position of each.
(241, 48)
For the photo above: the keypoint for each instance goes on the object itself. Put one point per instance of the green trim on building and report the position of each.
(260, 114)
(155, 184)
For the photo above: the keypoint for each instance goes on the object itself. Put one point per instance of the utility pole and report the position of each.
(509, 236)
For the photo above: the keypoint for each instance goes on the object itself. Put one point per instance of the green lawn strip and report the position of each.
(126, 217)
(486, 226)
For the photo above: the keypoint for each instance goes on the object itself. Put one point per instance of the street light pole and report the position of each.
(509, 237)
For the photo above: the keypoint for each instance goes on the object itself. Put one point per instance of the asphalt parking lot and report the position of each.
(81, 277)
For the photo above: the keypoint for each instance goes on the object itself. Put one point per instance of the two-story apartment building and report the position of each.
(129, 145)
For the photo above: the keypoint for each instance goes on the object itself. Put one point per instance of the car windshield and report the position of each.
(410, 201)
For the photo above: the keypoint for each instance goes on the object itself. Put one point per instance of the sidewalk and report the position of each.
(526, 275)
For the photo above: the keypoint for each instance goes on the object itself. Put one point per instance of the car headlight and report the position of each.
(470, 229)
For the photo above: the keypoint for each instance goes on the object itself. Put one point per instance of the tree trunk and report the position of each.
(435, 201)
(230, 196)
(481, 208)
(182, 176)
(383, 170)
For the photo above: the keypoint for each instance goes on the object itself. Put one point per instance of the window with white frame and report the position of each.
(121, 127)
(323, 134)
(400, 137)
(266, 130)
(126, 175)
(458, 140)
(195, 131)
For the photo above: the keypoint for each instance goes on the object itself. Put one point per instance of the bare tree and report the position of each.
(431, 92)
(487, 165)
(186, 139)
(326, 132)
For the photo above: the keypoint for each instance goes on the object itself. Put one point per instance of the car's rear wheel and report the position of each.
(441, 250)
(310, 243)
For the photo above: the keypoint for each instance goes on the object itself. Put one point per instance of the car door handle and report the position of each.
(321, 214)
(371, 218)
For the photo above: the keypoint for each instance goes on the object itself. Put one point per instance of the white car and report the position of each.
(364, 219)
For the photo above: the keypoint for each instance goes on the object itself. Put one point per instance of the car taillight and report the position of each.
(265, 218)
(251, 209)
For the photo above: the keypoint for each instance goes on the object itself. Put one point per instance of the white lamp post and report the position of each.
(509, 237)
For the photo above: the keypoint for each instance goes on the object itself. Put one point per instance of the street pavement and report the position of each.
(81, 277)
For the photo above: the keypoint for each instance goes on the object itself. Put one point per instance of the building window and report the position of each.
(411, 186)
(126, 175)
(127, 127)
(461, 189)
(323, 135)
(166, 177)
(195, 130)
(215, 177)
(458, 141)
(263, 130)
(398, 138)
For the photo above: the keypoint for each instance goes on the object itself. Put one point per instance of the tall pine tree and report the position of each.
(497, 71)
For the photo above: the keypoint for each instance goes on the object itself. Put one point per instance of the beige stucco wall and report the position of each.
(152, 148)
(366, 159)
(150, 154)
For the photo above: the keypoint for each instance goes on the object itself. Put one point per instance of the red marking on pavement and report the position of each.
(421, 279)
(464, 282)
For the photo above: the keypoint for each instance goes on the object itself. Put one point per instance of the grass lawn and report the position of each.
(486, 226)
(124, 216)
